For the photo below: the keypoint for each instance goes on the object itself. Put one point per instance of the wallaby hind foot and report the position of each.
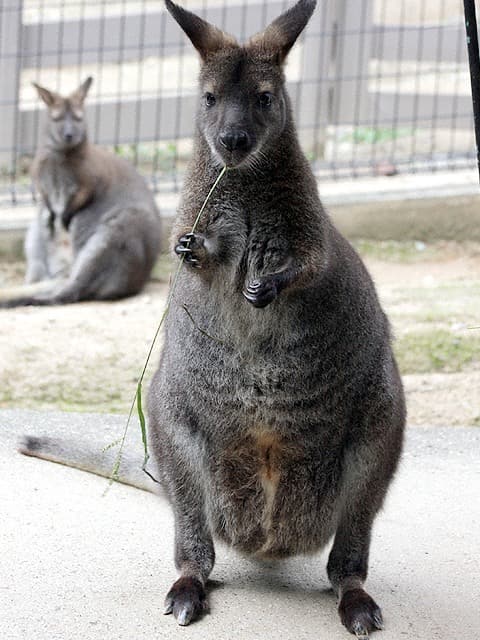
(186, 599)
(360, 613)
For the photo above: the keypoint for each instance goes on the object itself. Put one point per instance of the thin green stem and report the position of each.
(138, 393)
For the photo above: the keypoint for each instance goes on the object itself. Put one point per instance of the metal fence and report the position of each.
(378, 86)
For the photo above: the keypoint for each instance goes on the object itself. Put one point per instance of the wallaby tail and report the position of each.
(28, 301)
(77, 454)
(39, 295)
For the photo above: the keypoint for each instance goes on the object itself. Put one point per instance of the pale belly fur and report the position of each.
(265, 500)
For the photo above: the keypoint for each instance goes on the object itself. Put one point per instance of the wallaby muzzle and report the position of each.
(68, 131)
(235, 139)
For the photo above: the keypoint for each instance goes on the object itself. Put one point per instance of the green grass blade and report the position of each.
(138, 395)
(141, 417)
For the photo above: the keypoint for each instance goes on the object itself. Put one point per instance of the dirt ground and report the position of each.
(87, 357)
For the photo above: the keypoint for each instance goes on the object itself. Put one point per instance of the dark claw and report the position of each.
(360, 631)
(186, 600)
(261, 293)
(378, 620)
(180, 250)
(191, 247)
(187, 254)
(187, 240)
(254, 286)
(192, 240)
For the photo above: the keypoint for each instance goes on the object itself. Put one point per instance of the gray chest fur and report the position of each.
(58, 183)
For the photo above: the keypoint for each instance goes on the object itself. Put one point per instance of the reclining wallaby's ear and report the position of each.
(48, 97)
(80, 94)
(204, 36)
(280, 36)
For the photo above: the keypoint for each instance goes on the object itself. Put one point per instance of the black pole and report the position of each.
(474, 61)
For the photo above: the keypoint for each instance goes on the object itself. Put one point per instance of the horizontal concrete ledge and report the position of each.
(443, 205)
(427, 219)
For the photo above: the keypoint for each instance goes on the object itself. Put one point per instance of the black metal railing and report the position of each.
(378, 86)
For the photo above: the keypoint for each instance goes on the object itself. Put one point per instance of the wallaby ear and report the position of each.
(204, 36)
(80, 94)
(48, 97)
(280, 36)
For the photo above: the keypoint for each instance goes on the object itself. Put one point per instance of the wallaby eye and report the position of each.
(265, 99)
(56, 115)
(210, 99)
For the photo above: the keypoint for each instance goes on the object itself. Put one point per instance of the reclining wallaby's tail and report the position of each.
(80, 455)
(32, 301)
(64, 296)
(39, 293)
(43, 294)
(69, 293)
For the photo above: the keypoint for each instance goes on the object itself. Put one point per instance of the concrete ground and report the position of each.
(75, 564)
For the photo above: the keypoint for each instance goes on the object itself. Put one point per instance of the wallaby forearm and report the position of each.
(278, 256)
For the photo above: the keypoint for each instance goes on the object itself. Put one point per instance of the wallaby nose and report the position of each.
(68, 137)
(233, 140)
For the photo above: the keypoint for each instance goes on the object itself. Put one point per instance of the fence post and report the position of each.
(313, 93)
(11, 12)
(354, 20)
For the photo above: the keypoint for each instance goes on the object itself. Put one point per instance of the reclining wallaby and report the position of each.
(97, 232)
(279, 424)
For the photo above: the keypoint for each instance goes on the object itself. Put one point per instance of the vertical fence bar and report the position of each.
(313, 92)
(355, 26)
(456, 92)
(420, 54)
(474, 60)
(102, 38)
(322, 99)
(362, 78)
(437, 87)
(351, 100)
(373, 121)
(10, 70)
(390, 160)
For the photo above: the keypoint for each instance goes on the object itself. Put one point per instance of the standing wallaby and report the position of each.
(97, 233)
(276, 417)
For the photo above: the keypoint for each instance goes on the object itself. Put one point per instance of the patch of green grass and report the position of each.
(162, 155)
(397, 251)
(448, 303)
(375, 135)
(438, 350)
(64, 398)
(163, 268)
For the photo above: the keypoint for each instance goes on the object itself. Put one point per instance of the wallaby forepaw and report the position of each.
(192, 247)
(186, 600)
(360, 613)
(261, 292)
